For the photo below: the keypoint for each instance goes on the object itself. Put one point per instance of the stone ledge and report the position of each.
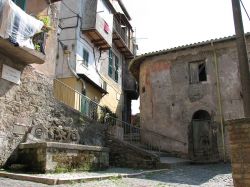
(56, 180)
(62, 146)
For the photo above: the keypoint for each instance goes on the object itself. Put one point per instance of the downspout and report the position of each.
(219, 101)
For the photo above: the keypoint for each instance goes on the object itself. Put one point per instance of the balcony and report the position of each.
(122, 39)
(16, 33)
(98, 31)
(22, 54)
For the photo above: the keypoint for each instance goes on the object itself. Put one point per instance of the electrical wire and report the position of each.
(245, 9)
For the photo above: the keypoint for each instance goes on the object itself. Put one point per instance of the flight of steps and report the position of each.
(167, 159)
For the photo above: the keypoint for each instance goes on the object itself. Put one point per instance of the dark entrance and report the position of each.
(203, 138)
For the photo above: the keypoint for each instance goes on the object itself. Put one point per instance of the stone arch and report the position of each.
(201, 115)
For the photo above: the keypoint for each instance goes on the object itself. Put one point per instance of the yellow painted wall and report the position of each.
(69, 96)
(92, 92)
(114, 98)
(63, 93)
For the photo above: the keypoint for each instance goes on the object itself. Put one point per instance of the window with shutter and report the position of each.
(85, 57)
(110, 68)
(116, 68)
(197, 72)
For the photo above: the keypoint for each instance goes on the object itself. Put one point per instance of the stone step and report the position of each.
(172, 162)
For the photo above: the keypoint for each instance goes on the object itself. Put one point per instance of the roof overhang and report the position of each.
(86, 78)
(134, 65)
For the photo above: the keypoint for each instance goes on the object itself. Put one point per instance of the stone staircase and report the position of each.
(157, 158)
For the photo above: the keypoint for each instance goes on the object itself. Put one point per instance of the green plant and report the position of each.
(37, 47)
(106, 110)
(60, 169)
(47, 23)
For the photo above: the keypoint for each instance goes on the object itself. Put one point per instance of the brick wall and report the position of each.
(239, 133)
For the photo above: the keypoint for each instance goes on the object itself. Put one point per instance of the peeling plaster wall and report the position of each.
(168, 100)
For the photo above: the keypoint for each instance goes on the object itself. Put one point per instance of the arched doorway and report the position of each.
(203, 138)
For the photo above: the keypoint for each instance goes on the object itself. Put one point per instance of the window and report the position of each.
(20, 3)
(116, 68)
(197, 72)
(110, 71)
(113, 69)
(85, 58)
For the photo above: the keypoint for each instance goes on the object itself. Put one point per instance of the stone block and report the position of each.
(63, 157)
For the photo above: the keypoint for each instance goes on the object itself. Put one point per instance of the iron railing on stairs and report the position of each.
(140, 137)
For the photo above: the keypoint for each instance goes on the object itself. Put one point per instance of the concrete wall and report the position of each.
(168, 100)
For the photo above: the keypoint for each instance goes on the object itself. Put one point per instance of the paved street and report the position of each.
(218, 175)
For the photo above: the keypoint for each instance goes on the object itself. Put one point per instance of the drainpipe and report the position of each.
(219, 101)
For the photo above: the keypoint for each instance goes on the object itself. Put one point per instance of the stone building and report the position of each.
(95, 46)
(186, 95)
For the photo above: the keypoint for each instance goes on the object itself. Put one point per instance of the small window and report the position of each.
(20, 3)
(85, 58)
(197, 72)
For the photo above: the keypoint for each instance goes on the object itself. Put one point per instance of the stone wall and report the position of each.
(123, 154)
(32, 103)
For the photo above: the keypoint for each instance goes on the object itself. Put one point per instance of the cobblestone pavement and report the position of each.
(214, 175)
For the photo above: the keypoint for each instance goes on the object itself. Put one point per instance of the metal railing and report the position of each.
(143, 138)
(78, 101)
(120, 31)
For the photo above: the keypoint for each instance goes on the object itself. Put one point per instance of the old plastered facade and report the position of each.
(186, 94)
(95, 45)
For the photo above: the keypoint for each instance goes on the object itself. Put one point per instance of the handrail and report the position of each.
(78, 92)
(119, 30)
(78, 101)
(150, 131)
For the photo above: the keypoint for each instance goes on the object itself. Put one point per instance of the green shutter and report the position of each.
(85, 57)
(116, 68)
(110, 70)
(20, 3)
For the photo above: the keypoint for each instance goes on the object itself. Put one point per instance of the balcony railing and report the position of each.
(120, 31)
(123, 40)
